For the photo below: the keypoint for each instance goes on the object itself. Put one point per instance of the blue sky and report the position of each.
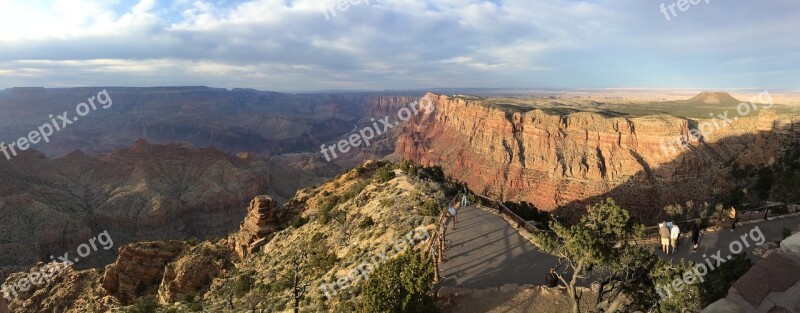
(401, 44)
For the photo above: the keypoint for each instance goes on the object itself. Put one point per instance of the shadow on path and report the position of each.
(487, 252)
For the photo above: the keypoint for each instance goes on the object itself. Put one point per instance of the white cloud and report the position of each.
(284, 44)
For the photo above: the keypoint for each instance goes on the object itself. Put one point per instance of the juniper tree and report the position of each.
(402, 284)
(601, 242)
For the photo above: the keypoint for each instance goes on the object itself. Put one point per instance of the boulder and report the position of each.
(791, 244)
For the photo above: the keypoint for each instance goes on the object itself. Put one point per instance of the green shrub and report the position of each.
(384, 174)
(734, 198)
(188, 298)
(400, 285)
(718, 281)
(435, 173)
(278, 286)
(326, 208)
(196, 307)
(324, 218)
(320, 256)
(354, 191)
(243, 285)
(529, 212)
(430, 208)
(387, 203)
(409, 168)
(763, 183)
(145, 305)
(366, 222)
(298, 221)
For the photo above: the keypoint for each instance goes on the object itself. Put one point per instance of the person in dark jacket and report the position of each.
(552, 278)
(695, 236)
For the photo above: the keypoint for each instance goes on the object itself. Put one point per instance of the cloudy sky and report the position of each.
(400, 44)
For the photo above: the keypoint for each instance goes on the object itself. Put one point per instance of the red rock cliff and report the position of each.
(553, 160)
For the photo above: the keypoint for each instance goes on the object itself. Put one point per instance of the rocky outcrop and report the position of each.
(140, 269)
(3, 301)
(192, 274)
(263, 219)
(570, 160)
(65, 290)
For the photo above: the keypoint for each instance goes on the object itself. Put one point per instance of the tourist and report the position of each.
(732, 217)
(695, 236)
(464, 200)
(454, 212)
(674, 235)
(552, 278)
(664, 233)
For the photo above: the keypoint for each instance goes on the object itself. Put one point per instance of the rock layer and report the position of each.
(192, 274)
(142, 193)
(263, 219)
(570, 160)
(139, 268)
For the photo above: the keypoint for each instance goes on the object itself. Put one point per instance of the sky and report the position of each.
(296, 45)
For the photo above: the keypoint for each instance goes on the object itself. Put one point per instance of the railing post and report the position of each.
(435, 249)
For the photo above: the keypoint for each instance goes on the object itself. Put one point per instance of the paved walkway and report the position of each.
(486, 251)
(721, 240)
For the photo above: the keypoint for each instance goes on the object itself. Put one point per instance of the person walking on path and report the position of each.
(732, 217)
(454, 212)
(464, 200)
(695, 236)
(664, 233)
(674, 235)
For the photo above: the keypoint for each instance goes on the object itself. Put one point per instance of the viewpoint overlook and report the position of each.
(399, 156)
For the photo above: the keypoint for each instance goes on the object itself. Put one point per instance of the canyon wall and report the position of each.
(563, 161)
(236, 120)
(144, 192)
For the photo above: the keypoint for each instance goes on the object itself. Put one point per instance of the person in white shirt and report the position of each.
(673, 236)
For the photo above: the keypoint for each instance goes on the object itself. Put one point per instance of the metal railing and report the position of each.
(720, 220)
(521, 223)
(651, 232)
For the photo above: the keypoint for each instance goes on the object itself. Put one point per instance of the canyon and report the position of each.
(182, 274)
(144, 192)
(233, 121)
(190, 219)
(166, 162)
